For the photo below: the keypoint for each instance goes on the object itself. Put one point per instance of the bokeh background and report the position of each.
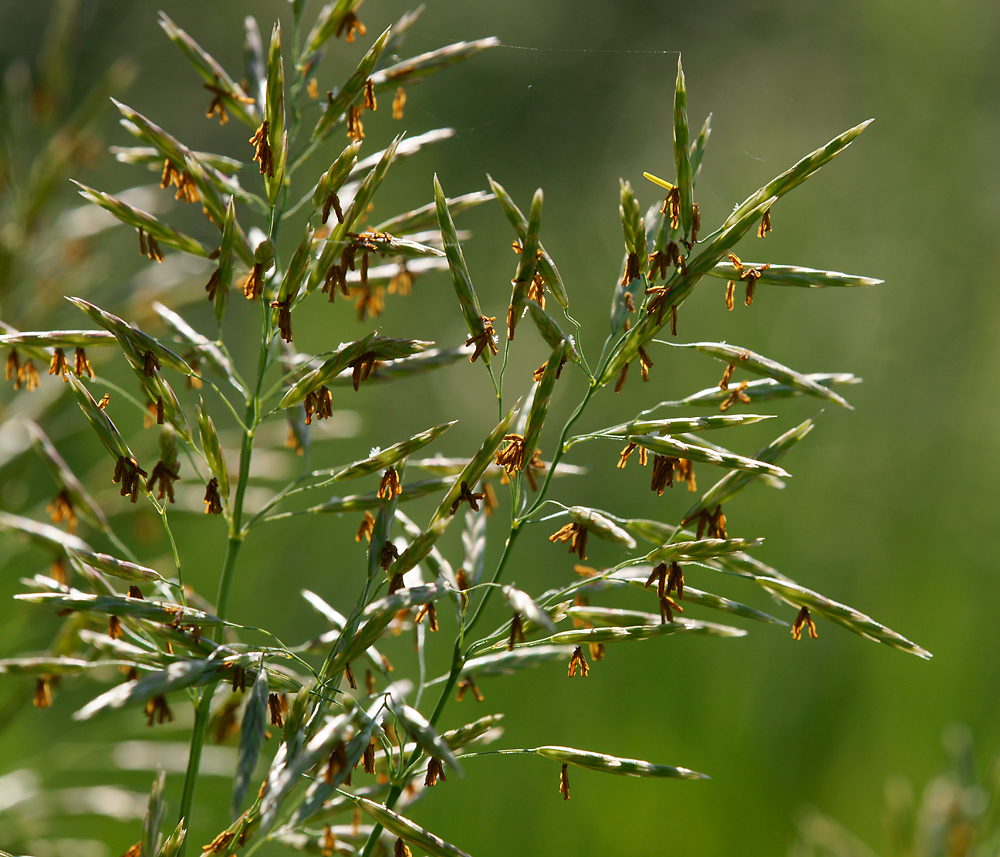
(893, 507)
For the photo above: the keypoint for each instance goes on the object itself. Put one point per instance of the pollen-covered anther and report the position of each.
(625, 453)
(187, 190)
(578, 662)
(43, 691)
(631, 269)
(667, 608)
(576, 535)
(370, 101)
(389, 486)
(466, 494)
(253, 285)
(736, 395)
(350, 27)
(684, 472)
(398, 103)
(262, 153)
(213, 500)
(536, 290)
(645, 362)
(765, 224)
(662, 476)
(484, 340)
(61, 509)
(804, 620)
(564, 781)
(366, 529)
(659, 301)
(148, 247)
(355, 130)
(58, 365)
(724, 383)
(401, 849)
(658, 263)
(511, 457)
(362, 368)
(81, 365)
(435, 772)
(430, 612)
(672, 206)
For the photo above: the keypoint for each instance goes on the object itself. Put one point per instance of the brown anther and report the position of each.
(695, 223)
(323, 399)
(537, 374)
(625, 453)
(61, 509)
(736, 395)
(675, 581)
(276, 710)
(150, 364)
(398, 102)
(663, 473)
(349, 675)
(467, 684)
(366, 529)
(253, 285)
(386, 556)
(584, 570)
(596, 651)
(284, 318)
(765, 224)
(58, 571)
(644, 363)
(148, 247)
(672, 204)
(355, 130)
(27, 374)
(58, 364)
(578, 661)
(658, 263)
(81, 365)
(564, 781)
(621, 378)
(466, 494)
(804, 620)
(536, 290)
(430, 612)
(187, 190)
(389, 487)
(435, 772)
(157, 710)
(114, 627)
(724, 383)
(511, 457)
(349, 27)
(212, 286)
(402, 281)
(364, 268)
(43, 691)
(631, 269)
(516, 632)
(401, 849)
(368, 757)
(484, 340)
(127, 472)
(576, 535)
(370, 101)
(13, 369)
(684, 472)
(490, 502)
(336, 278)
(213, 500)
(659, 576)
(262, 153)
(218, 844)
(369, 684)
(659, 302)
(239, 682)
(104, 401)
(667, 606)
(312, 88)
(332, 202)
(362, 367)
(673, 320)
(370, 298)
(134, 592)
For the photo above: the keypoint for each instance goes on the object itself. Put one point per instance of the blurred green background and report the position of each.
(892, 509)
